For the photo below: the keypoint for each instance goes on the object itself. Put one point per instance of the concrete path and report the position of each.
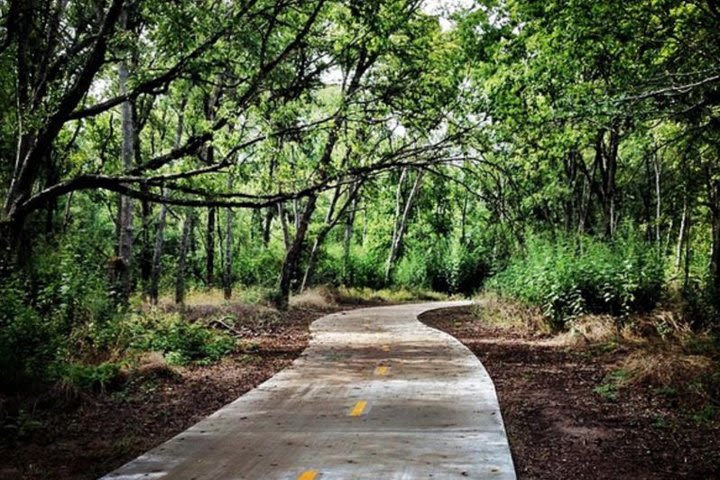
(377, 395)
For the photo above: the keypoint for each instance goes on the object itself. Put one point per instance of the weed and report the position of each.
(612, 382)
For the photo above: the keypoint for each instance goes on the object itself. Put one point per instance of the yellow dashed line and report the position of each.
(382, 370)
(358, 409)
(308, 475)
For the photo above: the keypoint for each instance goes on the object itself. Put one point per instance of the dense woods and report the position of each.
(564, 153)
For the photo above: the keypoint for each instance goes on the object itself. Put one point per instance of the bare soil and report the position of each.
(560, 428)
(88, 436)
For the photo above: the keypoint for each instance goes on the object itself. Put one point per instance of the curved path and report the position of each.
(377, 395)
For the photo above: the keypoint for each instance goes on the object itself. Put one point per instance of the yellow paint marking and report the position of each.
(382, 370)
(358, 409)
(308, 475)
(385, 348)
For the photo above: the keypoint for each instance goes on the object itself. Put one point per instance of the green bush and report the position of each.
(179, 340)
(29, 344)
(457, 268)
(411, 271)
(259, 266)
(89, 377)
(568, 277)
(365, 267)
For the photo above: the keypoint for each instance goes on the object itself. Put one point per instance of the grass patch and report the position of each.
(317, 297)
(248, 295)
(354, 295)
(611, 385)
(495, 311)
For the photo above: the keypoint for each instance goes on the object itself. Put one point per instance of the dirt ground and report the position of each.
(87, 437)
(560, 428)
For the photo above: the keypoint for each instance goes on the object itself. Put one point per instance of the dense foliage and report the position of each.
(151, 148)
(569, 277)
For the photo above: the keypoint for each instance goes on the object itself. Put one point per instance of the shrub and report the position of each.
(179, 340)
(29, 343)
(568, 277)
(79, 376)
(411, 271)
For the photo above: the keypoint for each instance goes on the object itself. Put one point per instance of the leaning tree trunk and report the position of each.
(156, 268)
(682, 234)
(284, 225)
(657, 169)
(347, 240)
(123, 273)
(399, 234)
(320, 238)
(292, 256)
(182, 258)
(331, 220)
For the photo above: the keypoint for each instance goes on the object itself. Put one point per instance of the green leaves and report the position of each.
(572, 276)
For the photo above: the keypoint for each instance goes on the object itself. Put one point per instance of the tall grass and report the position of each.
(571, 276)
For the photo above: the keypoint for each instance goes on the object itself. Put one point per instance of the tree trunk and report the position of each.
(715, 249)
(682, 234)
(210, 248)
(284, 225)
(267, 227)
(331, 220)
(292, 256)
(182, 258)
(156, 268)
(146, 253)
(157, 255)
(125, 222)
(397, 244)
(228, 257)
(347, 240)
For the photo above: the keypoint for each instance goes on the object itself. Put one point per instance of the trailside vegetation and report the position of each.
(562, 153)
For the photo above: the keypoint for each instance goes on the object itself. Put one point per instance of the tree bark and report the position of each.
(399, 234)
(210, 248)
(182, 258)
(125, 222)
(228, 257)
(267, 227)
(682, 234)
(331, 220)
(292, 256)
(347, 240)
(715, 249)
(157, 255)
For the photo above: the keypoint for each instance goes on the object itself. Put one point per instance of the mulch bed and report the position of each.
(559, 428)
(86, 437)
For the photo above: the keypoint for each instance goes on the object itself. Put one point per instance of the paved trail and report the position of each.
(377, 395)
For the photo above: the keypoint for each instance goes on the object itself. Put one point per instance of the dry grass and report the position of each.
(590, 330)
(503, 313)
(153, 363)
(666, 368)
(216, 297)
(355, 295)
(316, 297)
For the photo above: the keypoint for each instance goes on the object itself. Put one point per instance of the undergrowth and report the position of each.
(570, 277)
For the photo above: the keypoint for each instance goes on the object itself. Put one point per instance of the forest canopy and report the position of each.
(563, 153)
